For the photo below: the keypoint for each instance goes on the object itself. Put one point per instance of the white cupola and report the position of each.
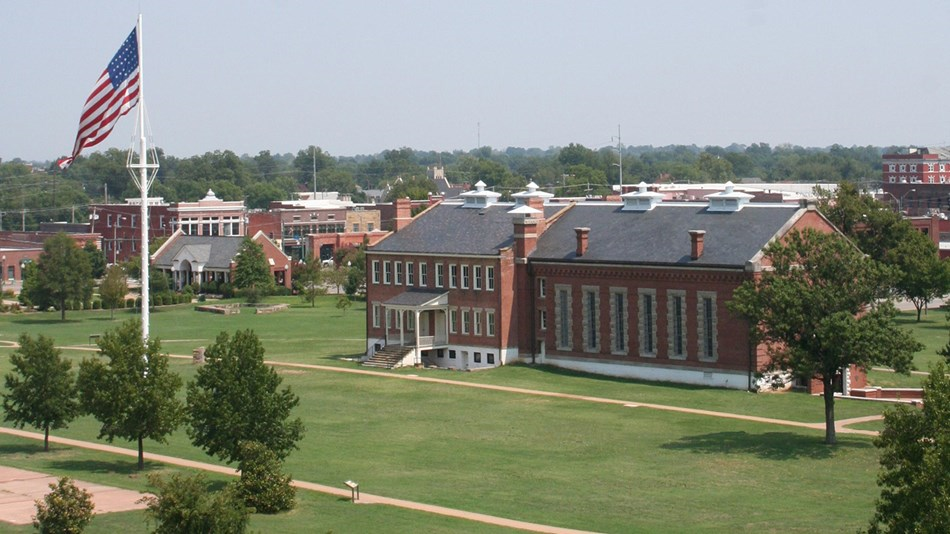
(728, 200)
(479, 198)
(642, 199)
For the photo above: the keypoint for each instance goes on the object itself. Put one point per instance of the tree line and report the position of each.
(28, 198)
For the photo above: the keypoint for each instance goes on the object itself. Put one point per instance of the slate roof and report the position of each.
(448, 228)
(661, 236)
(215, 251)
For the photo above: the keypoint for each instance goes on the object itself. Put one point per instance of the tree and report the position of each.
(343, 302)
(308, 277)
(235, 397)
(62, 275)
(133, 395)
(915, 459)
(65, 510)
(818, 311)
(252, 272)
(113, 288)
(183, 504)
(41, 390)
(923, 275)
(97, 260)
(263, 486)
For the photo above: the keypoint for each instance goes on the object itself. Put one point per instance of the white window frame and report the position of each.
(423, 274)
(489, 278)
(410, 274)
(477, 277)
(477, 321)
(439, 275)
(490, 323)
(376, 313)
(387, 272)
(466, 274)
(376, 271)
(397, 272)
(453, 276)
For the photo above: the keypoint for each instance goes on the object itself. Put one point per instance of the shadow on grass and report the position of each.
(121, 467)
(560, 371)
(769, 446)
(23, 448)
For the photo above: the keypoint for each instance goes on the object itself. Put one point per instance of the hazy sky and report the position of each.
(358, 77)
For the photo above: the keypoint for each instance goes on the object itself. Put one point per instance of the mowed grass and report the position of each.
(315, 512)
(932, 332)
(563, 462)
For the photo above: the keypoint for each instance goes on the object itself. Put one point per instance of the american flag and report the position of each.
(116, 92)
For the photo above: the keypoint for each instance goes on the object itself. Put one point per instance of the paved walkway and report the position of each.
(20, 489)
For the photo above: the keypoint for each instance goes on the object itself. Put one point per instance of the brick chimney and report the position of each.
(696, 241)
(582, 237)
(403, 213)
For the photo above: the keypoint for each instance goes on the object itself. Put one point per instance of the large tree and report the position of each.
(40, 390)
(915, 460)
(923, 275)
(113, 288)
(252, 272)
(236, 397)
(133, 393)
(819, 310)
(62, 275)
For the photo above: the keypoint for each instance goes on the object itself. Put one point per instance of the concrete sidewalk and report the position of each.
(20, 489)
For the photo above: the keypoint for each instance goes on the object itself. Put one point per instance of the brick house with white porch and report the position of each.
(636, 288)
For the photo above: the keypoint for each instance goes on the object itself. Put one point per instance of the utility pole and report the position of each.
(620, 154)
(314, 152)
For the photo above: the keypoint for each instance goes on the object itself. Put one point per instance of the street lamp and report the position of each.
(114, 227)
(900, 203)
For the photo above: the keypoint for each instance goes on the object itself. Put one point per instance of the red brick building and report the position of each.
(918, 181)
(636, 288)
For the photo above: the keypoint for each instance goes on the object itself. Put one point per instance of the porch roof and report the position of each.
(418, 298)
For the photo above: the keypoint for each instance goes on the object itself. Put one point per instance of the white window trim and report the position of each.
(489, 278)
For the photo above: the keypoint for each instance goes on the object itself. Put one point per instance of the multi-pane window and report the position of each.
(476, 277)
(439, 275)
(477, 321)
(453, 320)
(453, 276)
(375, 271)
(490, 278)
(465, 320)
(707, 325)
(591, 319)
(387, 272)
(423, 274)
(562, 310)
(542, 288)
(647, 322)
(490, 323)
(676, 321)
(543, 319)
(410, 273)
(376, 310)
(618, 320)
(398, 269)
(465, 274)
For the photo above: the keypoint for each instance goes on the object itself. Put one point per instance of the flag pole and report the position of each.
(143, 181)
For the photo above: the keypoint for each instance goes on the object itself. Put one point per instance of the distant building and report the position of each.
(917, 182)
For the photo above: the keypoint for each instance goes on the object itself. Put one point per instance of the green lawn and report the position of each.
(562, 462)
(932, 332)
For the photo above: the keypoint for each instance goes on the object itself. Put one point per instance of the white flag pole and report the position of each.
(143, 181)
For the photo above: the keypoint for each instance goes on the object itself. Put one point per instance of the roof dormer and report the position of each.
(728, 200)
(479, 198)
(642, 199)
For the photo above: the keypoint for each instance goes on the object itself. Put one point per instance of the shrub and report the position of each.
(159, 301)
(97, 304)
(262, 484)
(130, 303)
(67, 509)
(184, 505)
(202, 298)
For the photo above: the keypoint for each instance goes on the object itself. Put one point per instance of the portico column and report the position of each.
(418, 351)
